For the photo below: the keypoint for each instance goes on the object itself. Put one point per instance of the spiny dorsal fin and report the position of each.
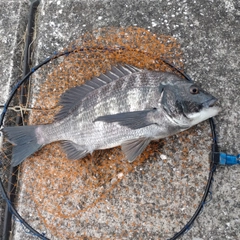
(71, 99)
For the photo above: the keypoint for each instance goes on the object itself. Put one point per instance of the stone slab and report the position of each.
(13, 22)
(209, 35)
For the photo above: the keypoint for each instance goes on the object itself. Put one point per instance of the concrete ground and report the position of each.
(13, 22)
(209, 34)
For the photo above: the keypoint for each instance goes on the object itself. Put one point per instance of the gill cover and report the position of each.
(185, 98)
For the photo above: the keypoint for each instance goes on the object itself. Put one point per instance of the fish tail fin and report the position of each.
(24, 140)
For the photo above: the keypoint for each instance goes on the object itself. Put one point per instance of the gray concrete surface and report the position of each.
(210, 38)
(13, 22)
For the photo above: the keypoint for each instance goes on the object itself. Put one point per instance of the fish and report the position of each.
(126, 106)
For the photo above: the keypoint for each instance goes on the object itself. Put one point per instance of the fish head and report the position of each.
(187, 104)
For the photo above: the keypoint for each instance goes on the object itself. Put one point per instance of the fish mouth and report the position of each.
(209, 103)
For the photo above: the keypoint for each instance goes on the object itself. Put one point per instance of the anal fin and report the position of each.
(73, 150)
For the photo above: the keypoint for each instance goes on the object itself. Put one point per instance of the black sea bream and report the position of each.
(126, 106)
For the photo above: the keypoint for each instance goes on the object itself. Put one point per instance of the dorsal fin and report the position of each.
(73, 97)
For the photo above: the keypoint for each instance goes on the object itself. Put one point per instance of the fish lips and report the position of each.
(209, 103)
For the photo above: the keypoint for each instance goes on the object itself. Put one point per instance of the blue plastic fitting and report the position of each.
(226, 159)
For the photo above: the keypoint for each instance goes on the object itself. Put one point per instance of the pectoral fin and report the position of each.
(133, 120)
(133, 148)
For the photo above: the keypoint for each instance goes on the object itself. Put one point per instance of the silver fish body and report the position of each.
(126, 106)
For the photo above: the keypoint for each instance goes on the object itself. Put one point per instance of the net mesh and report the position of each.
(102, 195)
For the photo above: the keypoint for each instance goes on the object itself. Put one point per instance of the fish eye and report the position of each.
(194, 90)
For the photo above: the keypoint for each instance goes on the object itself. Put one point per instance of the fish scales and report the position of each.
(92, 134)
(106, 99)
(126, 106)
(110, 99)
(116, 88)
